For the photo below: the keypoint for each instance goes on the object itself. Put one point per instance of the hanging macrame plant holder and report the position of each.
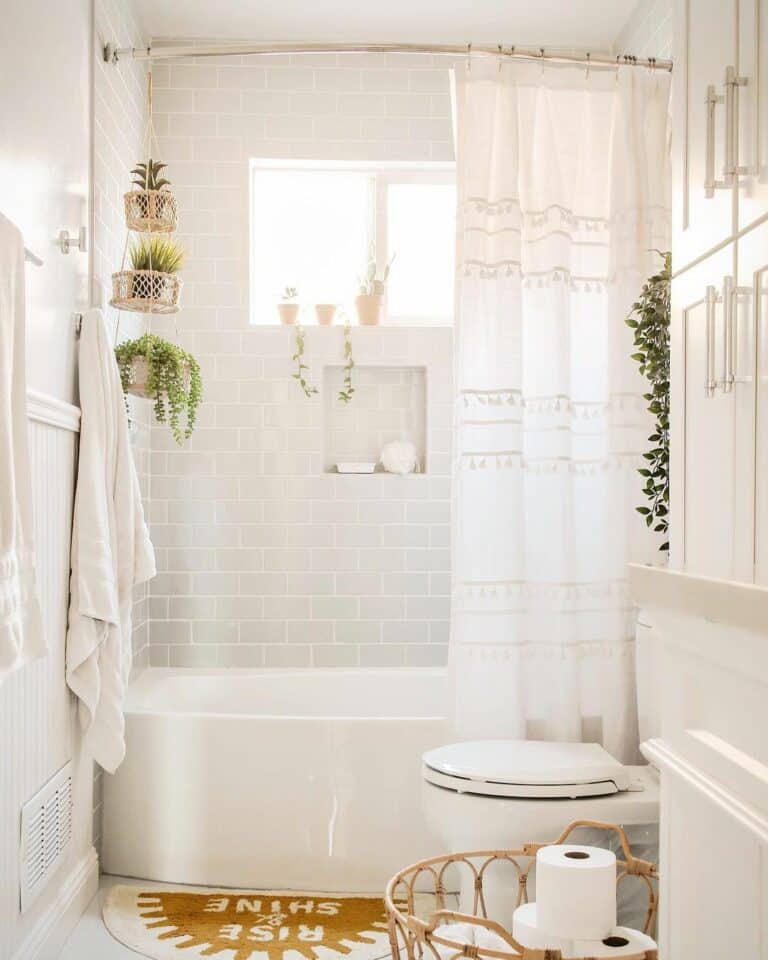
(147, 212)
(151, 211)
(146, 291)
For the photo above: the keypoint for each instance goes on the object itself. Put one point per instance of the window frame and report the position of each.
(381, 174)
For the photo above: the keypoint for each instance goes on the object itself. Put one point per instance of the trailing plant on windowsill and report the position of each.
(300, 376)
(168, 375)
(649, 319)
(347, 389)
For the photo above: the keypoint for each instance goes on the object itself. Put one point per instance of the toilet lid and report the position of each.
(525, 768)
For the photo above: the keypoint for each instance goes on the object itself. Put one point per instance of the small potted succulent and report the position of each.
(370, 295)
(150, 207)
(153, 368)
(325, 313)
(289, 308)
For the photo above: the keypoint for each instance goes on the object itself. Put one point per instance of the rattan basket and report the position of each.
(414, 938)
(146, 291)
(151, 211)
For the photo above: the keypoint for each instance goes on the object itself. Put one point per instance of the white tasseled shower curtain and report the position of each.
(563, 196)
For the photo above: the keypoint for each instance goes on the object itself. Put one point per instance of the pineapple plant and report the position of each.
(148, 175)
(150, 207)
(155, 259)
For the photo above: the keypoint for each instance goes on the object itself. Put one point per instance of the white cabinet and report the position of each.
(704, 152)
(752, 115)
(753, 368)
(712, 437)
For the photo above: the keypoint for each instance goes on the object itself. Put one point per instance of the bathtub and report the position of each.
(281, 779)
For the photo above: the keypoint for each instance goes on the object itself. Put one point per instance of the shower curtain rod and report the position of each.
(113, 53)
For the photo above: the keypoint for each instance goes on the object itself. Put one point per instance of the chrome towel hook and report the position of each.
(67, 243)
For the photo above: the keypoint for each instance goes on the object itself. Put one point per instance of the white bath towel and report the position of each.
(21, 632)
(111, 549)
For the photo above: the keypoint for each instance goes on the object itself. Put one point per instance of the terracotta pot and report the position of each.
(368, 306)
(289, 313)
(325, 313)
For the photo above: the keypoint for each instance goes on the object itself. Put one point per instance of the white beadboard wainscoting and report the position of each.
(38, 723)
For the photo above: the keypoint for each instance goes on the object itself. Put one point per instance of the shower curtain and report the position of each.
(562, 199)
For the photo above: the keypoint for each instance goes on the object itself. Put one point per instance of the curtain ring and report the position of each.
(501, 55)
(541, 55)
(588, 64)
(469, 58)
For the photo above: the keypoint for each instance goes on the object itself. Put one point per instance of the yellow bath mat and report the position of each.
(192, 923)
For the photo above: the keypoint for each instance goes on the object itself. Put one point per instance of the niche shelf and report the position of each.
(389, 403)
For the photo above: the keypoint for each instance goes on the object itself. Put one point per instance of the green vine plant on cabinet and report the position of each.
(649, 319)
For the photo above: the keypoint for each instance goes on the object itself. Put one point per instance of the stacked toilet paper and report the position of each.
(575, 909)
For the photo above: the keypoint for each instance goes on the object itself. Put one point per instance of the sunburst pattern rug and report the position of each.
(187, 924)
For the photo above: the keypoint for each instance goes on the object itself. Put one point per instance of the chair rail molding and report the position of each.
(43, 408)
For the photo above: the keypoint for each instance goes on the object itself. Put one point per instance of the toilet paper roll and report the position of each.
(525, 929)
(575, 891)
(621, 942)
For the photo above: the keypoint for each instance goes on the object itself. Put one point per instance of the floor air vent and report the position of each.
(46, 829)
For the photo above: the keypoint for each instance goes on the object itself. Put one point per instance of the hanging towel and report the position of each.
(111, 550)
(21, 631)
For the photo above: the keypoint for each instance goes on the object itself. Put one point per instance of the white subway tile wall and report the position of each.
(265, 558)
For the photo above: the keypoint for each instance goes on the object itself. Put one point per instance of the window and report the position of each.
(315, 227)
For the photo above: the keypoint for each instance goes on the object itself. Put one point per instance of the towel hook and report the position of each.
(78, 318)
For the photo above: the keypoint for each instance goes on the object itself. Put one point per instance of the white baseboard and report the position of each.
(46, 939)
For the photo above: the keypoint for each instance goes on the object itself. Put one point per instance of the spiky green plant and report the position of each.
(173, 380)
(147, 175)
(158, 253)
(649, 319)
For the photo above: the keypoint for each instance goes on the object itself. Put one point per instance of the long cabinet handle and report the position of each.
(732, 80)
(729, 374)
(709, 158)
(710, 383)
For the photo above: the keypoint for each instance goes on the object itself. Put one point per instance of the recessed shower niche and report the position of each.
(388, 403)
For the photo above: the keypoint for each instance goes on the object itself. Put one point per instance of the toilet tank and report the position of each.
(647, 670)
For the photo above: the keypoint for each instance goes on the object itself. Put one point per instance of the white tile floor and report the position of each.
(90, 940)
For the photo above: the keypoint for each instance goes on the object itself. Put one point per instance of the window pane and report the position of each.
(421, 231)
(310, 229)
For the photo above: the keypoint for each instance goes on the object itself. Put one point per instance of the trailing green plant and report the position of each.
(371, 282)
(159, 253)
(147, 175)
(649, 318)
(290, 293)
(347, 389)
(173, 380)
(300, 375)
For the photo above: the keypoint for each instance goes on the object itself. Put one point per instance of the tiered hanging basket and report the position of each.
(147, 211)
(146, 291)
(151, 211)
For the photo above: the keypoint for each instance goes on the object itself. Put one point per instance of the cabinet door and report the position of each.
(753, 287)
(711, 452)
(705, 47)
(752, 115)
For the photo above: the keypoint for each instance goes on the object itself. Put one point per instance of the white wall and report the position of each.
(44, 169)
(44, 176)
(265, 558)
(648, 32)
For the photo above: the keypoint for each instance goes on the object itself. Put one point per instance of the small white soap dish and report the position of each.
(353, 467)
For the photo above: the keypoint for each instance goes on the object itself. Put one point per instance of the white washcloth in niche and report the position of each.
(111, 549)
(21, 631)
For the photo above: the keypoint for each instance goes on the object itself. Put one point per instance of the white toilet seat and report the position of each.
(525, 769)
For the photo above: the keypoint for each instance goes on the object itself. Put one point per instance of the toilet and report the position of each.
(500, 794)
